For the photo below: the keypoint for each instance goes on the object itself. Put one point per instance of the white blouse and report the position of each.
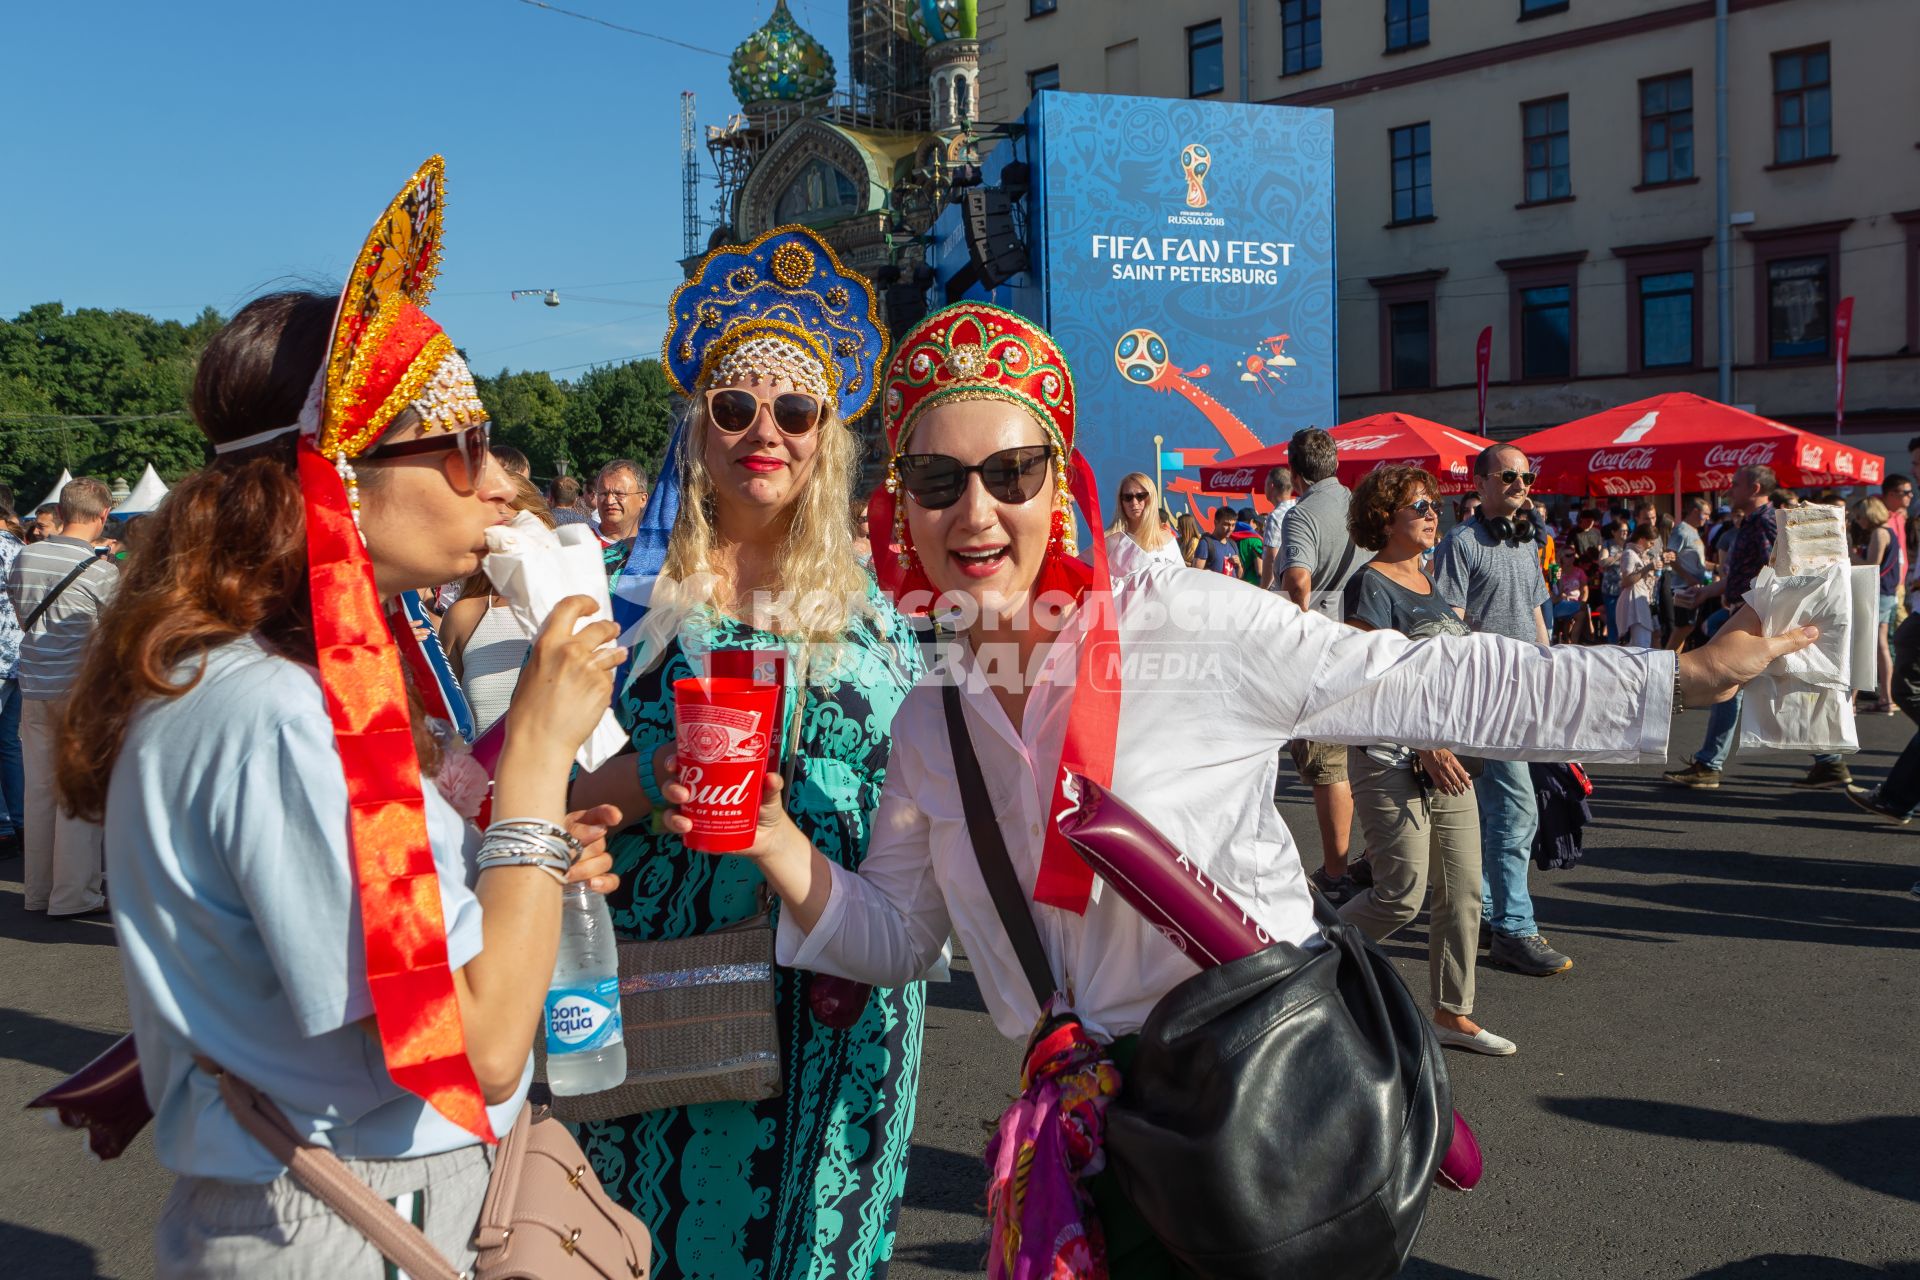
(1219, 676)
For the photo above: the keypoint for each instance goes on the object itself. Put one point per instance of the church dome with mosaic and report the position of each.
(780, 63)
(937, 21)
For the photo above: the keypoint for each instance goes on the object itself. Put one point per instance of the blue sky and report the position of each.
(166, 157)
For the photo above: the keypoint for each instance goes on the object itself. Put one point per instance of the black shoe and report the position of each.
(1360, 871)
(1531, 955)
(1486, 935)
(11, 844)
(1825, 775)
(1338, 891)
(1869, 800)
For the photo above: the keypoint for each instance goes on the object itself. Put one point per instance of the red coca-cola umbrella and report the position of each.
(1364, 444)
(1680, 441)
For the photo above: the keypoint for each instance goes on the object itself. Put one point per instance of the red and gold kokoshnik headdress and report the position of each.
(386, 357)
(973, 351)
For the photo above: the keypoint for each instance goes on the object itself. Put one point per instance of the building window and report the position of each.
(1549, 170)
(1666, 129)
(1410, 333)
(1412, 174)
(1300, 36)
(1406, 24)
(1408, 322)
(1666, 320)
(1802, 106)
(1538, 8)
(1043, 79)
(1663, 304)
(1037, 7)
(1206, 60)
(1546, 331)
(1799, 307)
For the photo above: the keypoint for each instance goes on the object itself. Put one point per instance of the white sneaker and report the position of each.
(1481, 1041)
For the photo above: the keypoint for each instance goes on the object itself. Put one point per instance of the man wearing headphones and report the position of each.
(1488, 568)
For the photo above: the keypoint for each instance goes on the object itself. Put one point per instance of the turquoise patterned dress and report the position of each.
(807, 1185)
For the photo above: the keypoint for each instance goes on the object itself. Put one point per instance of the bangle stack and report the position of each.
(529, 842)
(650, 785)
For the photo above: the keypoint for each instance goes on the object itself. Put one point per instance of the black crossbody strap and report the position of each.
(47, 600)
(990, 849)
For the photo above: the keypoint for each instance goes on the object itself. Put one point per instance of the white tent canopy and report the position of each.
(61, 483)
(146, 495)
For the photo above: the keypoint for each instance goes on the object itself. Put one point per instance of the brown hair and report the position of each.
(84, 500)
(224, 554)
(1380, 493)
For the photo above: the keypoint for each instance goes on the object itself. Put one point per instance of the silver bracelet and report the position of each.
(1679, 701)
(557, 870)
(538, 829)
(497, 843)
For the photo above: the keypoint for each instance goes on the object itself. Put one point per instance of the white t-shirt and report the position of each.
(1199, 754)
(239, 923)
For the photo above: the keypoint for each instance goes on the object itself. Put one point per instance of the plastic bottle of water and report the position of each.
(585, 1050)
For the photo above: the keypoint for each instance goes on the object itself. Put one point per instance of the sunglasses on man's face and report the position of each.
(733, 410)
(1524, 477)
(1013, 476)
(474, 442)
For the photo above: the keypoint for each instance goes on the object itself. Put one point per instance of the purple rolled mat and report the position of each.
(1196, 915)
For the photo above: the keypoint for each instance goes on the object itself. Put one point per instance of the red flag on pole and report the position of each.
(1482, 357)
(1842, 332)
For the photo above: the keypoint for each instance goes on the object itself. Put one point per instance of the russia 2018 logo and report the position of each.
(1195, 161)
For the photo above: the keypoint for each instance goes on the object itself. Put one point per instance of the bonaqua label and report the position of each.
(583, 1019)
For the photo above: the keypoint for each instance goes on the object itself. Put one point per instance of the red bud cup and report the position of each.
(721, 729)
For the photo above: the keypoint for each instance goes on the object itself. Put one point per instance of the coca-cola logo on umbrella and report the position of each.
(1812, 455)
(1737, 456)
(1627, 486)
(1233, 481)
(1640, 459)
(1362, 444)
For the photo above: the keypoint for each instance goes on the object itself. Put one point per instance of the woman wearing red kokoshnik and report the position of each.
(298, 904)
(980, 418)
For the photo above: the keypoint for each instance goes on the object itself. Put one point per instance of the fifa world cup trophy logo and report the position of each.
(1195, 161)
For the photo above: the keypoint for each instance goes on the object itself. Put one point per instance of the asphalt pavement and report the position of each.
(1725, 1086)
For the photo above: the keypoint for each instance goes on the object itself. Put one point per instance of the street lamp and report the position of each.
(550, 296)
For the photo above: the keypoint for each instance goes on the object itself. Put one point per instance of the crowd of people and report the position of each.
(304, 896)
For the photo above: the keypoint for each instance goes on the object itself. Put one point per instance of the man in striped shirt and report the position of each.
(63, 854)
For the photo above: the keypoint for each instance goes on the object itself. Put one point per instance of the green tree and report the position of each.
(619, 411)
(529, 412)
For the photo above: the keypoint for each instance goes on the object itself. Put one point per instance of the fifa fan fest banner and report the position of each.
(1183, 256)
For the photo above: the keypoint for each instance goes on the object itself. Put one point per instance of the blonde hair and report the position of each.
(1870, 512)
(1151, 535)
(818, 582)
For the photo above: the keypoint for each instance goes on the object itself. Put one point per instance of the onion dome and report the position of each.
(937, 21)
(780, 63)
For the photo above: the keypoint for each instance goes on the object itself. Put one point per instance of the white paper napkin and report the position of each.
(1804, 701)
(536, 568)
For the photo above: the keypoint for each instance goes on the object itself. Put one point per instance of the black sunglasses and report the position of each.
(1136, 496)
(474, 442)
(937, 481)
(1423, 506)
(794, 412)
(1508, 477)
